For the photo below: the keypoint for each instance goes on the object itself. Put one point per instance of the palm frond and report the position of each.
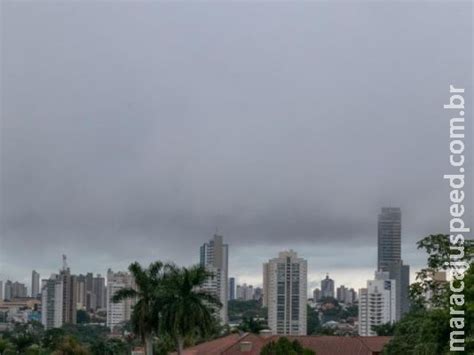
(123, 294)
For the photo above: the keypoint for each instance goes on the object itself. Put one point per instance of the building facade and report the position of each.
(316, 294)
(52, 302)
(69, 286)
(35, 284)
(119, 312)
(346, 295)
(389, 255)
(232, 288)
(245, 292)
(389, 236)
(327, 287)
(214, 256)
(285, 293)
(377, 303)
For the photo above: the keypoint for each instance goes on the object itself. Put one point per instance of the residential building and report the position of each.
(35, 284)
(389, 236)
(8, 290)
(285, 290)
(346, 295)
(231, 288)
(316, 294)
(69, 287)
(245, 292)
(389, 255)
(327, 287)
(18, 290)
(214, 256)
(98, 290)
(250, 344)
(377, 303)
(89, 296)
(118, 312)
(81, 292)
(265, 285)
(1, 291)
(52, 302)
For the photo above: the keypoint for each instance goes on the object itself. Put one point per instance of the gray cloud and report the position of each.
(133, 130)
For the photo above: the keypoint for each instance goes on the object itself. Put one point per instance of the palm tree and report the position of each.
(187, 310)
(145, 315)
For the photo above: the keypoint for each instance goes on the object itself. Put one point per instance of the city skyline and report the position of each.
(115, 150)
(314, 278)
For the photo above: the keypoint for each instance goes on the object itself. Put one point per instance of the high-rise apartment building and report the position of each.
(214, 256)
(98, 290)
(81, 292)
(121, 311)
(69, 286)
(35, 284)
(231, 288)
(245, 292)
(15, 290)
(377, 303)
(1, 290)
(89, 296)
(316, 294)
(285, 293)
(19, 290)
(346, 295)
(389, 255)
(265, 285)
(327, 287)
(52, 302)
(8, 290)
(389, 236)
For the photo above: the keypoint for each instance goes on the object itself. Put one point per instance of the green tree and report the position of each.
(82, 317)
(109, 347)
(145, 315)
(70, 346)
(6, 347)
(187, 310)
(252, 325)
(386, 329)
(437, 246)
(36, 349)
(425, 329)
(53, 337)
(283, 346)
(312, 323)
(239, 309)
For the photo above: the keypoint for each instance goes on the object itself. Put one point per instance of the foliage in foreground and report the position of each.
(285, 347)
(425, 330)
(33, 339)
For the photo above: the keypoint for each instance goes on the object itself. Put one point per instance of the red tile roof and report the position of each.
(322, 345)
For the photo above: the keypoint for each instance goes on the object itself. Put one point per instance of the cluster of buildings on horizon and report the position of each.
(284, 292)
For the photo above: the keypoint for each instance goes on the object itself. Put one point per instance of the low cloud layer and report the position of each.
(131, 131)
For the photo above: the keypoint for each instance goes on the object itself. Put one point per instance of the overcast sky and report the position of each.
(132, 130)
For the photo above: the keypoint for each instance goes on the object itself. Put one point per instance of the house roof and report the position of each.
(251, 344)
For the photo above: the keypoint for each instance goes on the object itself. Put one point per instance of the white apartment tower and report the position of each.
(121, 311)
(377, 303)
(52, 294)
(285, 293)
(214, 256)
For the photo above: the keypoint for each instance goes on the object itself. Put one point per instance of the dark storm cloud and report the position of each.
(133, 130)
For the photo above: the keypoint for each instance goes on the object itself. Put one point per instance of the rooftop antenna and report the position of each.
(64, 262)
